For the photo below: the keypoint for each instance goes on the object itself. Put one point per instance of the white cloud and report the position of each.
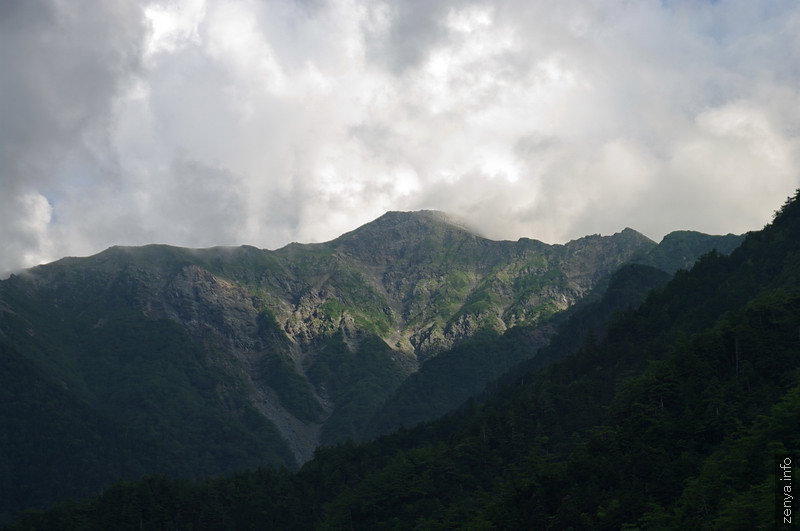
(173, 25)
(27, 218)
(199, 123)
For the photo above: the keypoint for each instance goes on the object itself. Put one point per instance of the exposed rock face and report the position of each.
(214, 309)
(298, 323)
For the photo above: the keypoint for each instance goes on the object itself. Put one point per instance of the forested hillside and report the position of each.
(670, 420)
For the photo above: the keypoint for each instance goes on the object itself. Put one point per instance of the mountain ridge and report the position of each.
(302, 344)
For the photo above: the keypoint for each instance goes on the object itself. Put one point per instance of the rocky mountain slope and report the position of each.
(270, 353)
(449, 379)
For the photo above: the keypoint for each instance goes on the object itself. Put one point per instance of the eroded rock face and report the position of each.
(215, 309)
(225, 318)
(308, 320)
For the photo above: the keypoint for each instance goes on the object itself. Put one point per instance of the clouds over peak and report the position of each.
(199, 122)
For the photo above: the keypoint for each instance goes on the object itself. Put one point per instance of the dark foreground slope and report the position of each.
(670, 422)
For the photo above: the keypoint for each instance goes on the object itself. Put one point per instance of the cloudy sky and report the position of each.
(222, 122)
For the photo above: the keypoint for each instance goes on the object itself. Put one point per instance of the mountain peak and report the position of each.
(419, 219)
(397, 229)
(635, 236)
(396, 234)
(628, 237)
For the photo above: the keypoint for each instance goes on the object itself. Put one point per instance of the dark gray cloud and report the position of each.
(404, 33)
(198, 122)
(63, 65)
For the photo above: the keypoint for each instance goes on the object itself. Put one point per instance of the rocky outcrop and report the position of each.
(214, 309)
